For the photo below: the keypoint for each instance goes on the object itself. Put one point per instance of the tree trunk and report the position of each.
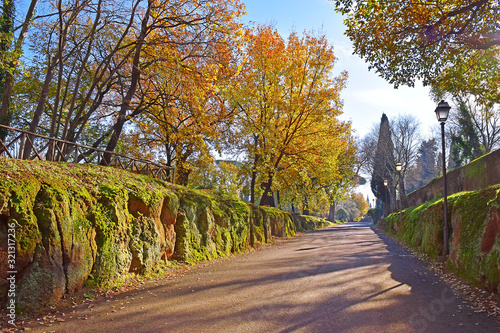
(81, 72)
(182, 169)
(182, 176)
(386, 201)
(402, 194)
(134, 81)
(252, 187)
(305, 211)
(393, 199)
(267, 197)
(5, 116)
(50, 72)
(41, 104)
(254, 170)
(331, 213)
(102, 86)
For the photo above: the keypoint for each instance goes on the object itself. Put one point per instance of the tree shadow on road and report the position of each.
(340, 279)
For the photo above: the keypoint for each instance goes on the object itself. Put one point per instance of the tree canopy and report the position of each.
(288, 104)
(451, 42)
(182, 83)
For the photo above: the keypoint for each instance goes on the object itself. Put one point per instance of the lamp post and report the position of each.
(386, 211)
(399, 167)
(442, 111)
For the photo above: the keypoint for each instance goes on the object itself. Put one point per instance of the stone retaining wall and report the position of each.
(474, 219)
(478, 174)
(79, 225)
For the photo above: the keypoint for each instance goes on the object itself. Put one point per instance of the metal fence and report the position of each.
(25, 145)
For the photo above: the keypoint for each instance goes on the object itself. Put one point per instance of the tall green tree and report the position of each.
(384, 166)
(426, 166)
(465, 145)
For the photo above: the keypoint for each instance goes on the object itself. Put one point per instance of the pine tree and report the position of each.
(427, 165)
(465, 145)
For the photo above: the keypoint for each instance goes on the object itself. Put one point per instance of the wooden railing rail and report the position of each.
(56, 150)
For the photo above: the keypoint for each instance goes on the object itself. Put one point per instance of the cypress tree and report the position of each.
(384, 166)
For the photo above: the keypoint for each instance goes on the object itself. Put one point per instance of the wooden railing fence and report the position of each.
(25, 145)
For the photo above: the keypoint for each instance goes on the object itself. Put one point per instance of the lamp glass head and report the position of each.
(442, 111)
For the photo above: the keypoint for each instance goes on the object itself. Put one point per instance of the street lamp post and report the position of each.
(399, 167)
(442, 112)
(386, 210)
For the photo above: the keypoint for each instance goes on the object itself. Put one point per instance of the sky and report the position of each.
(367, 95)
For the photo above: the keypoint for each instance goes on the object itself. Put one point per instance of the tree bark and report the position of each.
(254, 169)
(402, 194)
(331, 212)
(252, 187)
(182, 176)
(267, 198)
(305, 211)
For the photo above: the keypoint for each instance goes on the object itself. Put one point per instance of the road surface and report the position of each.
(347, 278)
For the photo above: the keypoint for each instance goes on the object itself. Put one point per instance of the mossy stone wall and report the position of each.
(479, 174)
(474, 218)
(89, 225)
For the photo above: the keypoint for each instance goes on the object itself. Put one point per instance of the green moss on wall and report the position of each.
(91, 225)
(474, 173)
(474, 219)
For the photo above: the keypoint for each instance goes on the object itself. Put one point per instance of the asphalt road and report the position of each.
(347, 278)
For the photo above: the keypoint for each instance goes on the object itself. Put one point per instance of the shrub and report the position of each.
(342, 214)
(375, 214)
